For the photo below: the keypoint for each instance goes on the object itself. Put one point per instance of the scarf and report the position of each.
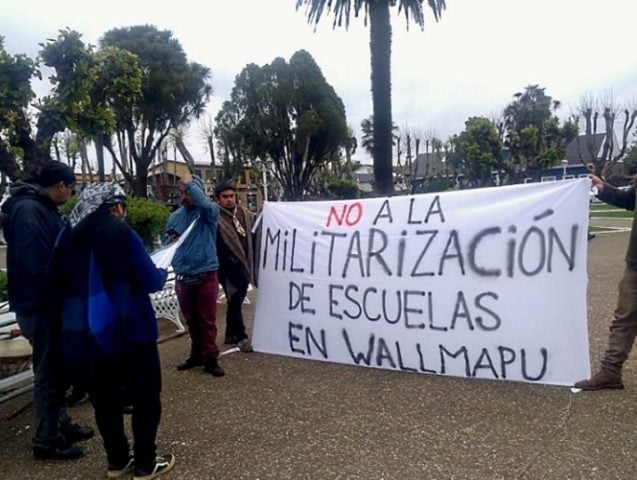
(93, 197)
(232, 232)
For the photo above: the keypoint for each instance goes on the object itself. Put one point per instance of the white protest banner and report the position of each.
(487, 283)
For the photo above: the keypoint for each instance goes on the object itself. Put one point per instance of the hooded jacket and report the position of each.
(31, 226)
(106, 276)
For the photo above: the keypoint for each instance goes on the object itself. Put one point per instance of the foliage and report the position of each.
(86, 86)
(285, 113)
(437, 185)
(377, 12)
(478, 151)
(91, 87)
(73, 79)
(367, 137)
(147, 217)
(68, 206)
(174, 91)
(4, 292)
(533, 133)
(344, 189)
(16, 137)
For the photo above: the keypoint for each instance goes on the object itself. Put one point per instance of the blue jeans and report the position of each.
(48, 386)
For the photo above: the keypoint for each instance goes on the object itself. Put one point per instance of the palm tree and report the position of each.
(367, 137)
(377, 11)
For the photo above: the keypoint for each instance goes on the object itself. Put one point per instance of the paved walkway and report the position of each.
(279, 418)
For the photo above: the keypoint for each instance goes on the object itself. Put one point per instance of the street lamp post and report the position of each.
(564, 165)
(265, 181)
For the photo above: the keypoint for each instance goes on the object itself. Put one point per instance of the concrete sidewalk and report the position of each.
(280, 418)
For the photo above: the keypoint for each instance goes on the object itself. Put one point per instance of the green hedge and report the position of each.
(4, 294)
(146, 217)
(344, 189)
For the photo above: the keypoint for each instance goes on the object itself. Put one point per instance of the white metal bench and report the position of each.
(166, 305)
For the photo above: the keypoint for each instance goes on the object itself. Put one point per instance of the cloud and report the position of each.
(470, 63)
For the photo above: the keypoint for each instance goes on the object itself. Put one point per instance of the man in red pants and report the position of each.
(196, 264)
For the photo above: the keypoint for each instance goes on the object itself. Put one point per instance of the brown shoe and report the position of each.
(245, 346)
(599, 381)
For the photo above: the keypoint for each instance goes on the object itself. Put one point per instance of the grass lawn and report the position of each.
(608, 211)
(593, 229)
(612, 214)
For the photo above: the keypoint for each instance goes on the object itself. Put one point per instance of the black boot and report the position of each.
(73, 432)
(191, 361)
(212, 367)
(58, 450)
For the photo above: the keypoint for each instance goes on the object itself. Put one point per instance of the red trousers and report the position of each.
(198, 303)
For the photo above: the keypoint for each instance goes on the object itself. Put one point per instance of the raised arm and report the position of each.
(195, 190)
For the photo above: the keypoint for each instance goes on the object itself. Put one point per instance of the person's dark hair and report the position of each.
(55, 172)
(222, 187)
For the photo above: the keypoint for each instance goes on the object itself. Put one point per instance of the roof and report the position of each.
(578, 152)
(428, 164)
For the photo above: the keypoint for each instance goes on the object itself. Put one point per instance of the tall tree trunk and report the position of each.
(348, 160)
(85, 161)
(99, 153)
(185, 153)
(380, 47)
(123, 154)
(83, 170)
(211, 149)
(9, 163)
(56, 149)
(140, 183)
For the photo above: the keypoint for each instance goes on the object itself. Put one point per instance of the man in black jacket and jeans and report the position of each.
(31, 227)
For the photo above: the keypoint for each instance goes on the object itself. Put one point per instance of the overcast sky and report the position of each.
(468, 64)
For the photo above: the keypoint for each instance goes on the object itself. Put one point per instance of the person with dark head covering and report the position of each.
(31, 225)
(236, 259)
(109, 327)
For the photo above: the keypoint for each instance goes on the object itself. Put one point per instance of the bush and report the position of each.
(437, 185)
(4, 294)
(146, 217)
(344, 189)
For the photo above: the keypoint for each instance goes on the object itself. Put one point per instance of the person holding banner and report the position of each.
(109, 327)
(30, 229)
(196, 264)
(236, 258)
(623, 329)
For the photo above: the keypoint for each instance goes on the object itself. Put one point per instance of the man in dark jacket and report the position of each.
(30, 230)
(109, 327)
(236, 260)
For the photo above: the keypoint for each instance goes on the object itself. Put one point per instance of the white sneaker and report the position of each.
(122, 472)
(163, 464)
